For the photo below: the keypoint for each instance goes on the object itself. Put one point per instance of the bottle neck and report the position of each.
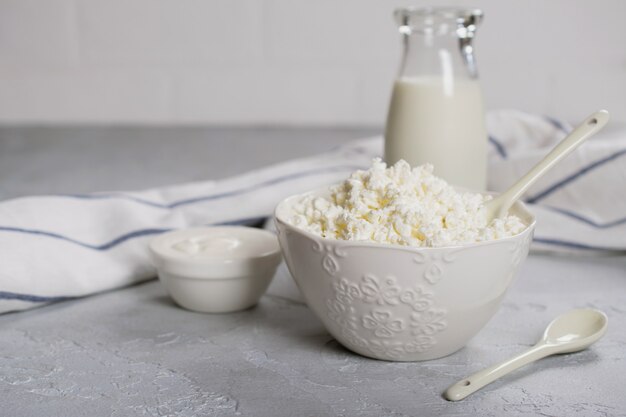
(445, 55)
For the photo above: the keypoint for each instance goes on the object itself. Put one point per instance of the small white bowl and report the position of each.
(401, 303)
(216, 269)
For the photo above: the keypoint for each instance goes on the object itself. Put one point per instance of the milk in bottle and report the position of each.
(436, 112)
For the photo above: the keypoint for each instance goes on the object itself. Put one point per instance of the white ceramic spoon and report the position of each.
(499, 206)
(570, 332)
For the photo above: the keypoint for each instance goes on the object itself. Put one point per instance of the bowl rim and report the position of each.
(519, 205)
(158, 250)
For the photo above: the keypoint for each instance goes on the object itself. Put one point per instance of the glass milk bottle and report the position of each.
(436, 113)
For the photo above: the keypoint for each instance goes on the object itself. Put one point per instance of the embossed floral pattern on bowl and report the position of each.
(400, 303)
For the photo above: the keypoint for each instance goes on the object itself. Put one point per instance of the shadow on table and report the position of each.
(165, 301)
(278, 321)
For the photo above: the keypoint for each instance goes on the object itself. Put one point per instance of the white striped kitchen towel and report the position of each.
(57, 247)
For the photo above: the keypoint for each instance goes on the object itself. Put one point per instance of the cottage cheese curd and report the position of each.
(401, 205)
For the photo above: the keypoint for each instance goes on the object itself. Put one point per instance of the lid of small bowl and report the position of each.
(230, 250)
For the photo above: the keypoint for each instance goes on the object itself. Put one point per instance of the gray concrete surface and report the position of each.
(131, 352)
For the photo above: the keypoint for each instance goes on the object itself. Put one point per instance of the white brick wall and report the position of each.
(287, 61)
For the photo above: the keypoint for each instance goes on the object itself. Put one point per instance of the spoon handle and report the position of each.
(476, 381)
(587, 128)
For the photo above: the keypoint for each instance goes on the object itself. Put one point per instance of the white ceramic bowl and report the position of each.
(216, 269)
(396, 302)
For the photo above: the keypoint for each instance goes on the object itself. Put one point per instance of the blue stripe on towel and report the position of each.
(541, 195)
(557, 123)
(212, 197)
(587, 220)
(5, 295)
(123, 238)
(102, 247)
(572, 245)
(499, 147)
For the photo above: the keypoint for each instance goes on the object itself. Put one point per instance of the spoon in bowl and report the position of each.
(571, 332)
(499, 206)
